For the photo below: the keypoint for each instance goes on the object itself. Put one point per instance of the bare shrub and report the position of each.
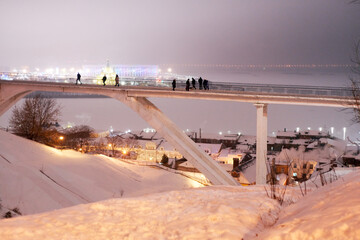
(32, 118)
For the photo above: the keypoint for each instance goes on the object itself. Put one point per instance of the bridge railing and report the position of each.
(221, 86)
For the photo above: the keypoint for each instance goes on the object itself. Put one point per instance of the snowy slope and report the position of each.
(217, 212)
(331, 212)
(36, 178)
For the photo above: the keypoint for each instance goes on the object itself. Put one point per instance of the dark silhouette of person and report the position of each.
(174, 84)
(117, 81)
(78, 79)
(187, 88)
(200, 83)
(193, 83)
(206, 84)
(104, 79)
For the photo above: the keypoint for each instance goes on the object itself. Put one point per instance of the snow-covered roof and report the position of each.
(289, 134)
(228, 151)
(210, 147)
(314, 133)
(247, 139)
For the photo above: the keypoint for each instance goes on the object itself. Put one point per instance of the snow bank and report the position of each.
(331, 212)
(205, 213)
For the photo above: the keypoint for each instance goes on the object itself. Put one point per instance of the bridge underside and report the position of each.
(155, 118)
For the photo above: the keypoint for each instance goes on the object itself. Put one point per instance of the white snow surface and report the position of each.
(75, 178)
(331, 212)
(217, 212)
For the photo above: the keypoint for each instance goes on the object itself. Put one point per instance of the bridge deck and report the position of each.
(253, 93)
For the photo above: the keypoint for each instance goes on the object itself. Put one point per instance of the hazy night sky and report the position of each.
(43, 33)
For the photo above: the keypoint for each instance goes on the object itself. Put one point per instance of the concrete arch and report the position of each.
(9, 95)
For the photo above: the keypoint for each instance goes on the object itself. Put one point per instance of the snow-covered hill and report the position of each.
(46, 179)
(36, 178)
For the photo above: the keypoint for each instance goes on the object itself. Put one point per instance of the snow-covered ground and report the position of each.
(36, 178)
(204, 213)
(132, 212)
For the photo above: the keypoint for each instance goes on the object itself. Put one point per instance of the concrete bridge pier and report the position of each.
(178, 139)
(261, 142)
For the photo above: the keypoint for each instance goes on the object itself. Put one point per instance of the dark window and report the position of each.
(304, 175)
(282, 170)
(304, 166)
(295, 166)
(311, 166)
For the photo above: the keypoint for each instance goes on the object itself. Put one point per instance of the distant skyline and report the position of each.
(42, 33)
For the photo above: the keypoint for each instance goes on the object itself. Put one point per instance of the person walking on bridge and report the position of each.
(187, 88)
(200, 83)
(117, 81)
(78, 79)
(104, 79)
(193, 83)
(206, 84)
(174, 84)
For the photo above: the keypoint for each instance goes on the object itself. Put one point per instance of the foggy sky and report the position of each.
(43, 33)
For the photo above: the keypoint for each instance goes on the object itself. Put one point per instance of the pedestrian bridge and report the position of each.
(134, 94)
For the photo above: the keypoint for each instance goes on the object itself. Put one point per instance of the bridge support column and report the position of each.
(178, 139)
(261, 143)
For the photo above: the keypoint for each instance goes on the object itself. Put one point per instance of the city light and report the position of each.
(332, 130)
(344, 133)
(220, 133)
(320, 129)
(61, 138)
(297, 129)
(169, 70)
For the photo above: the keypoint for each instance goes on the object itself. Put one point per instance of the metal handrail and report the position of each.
(220, 86)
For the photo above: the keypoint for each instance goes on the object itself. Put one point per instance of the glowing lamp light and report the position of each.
(169, 70)
(109, 144)
(124, 151)
(61, 138)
